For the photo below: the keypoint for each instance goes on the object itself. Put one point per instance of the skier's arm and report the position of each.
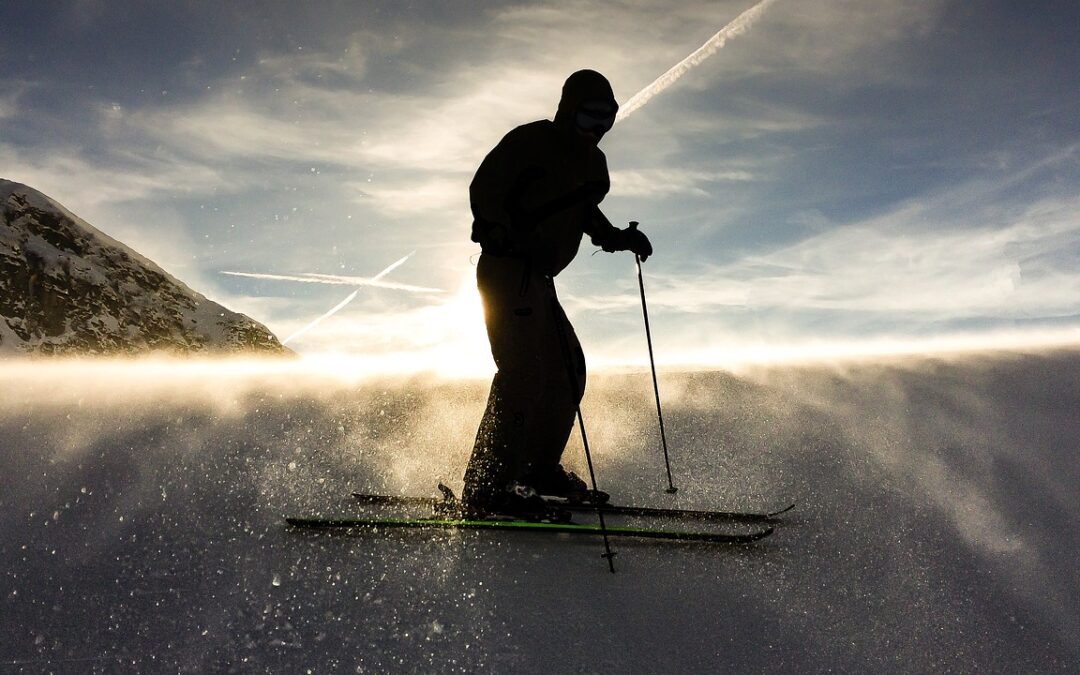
(610, 238)
(496, 181)
(501, 222)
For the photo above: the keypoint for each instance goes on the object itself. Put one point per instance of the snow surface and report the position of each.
(936, 529)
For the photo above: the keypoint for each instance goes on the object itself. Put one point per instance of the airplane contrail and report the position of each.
(388, 270)
(318, 320)
(343, 280)
(337, 280)
(737, 27)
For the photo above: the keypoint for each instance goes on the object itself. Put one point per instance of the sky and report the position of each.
(840, 176)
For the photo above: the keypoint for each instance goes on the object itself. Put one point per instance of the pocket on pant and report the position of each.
(523, 311)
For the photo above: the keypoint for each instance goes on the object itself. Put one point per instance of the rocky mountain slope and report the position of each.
(66, 288)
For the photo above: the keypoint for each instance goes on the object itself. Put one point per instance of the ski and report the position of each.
(436, 503)
(684, 514)
(525, 526)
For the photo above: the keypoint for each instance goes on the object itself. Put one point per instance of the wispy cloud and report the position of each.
(967, 252)
(423, 193)
(368, 144)
(317, 107)
(673, 181)
(7, 105)
(229, 127)
(69, 177)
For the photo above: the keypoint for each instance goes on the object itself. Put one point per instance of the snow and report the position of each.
(79, 269)
(41, 201)
(9, 340)
(936, 527)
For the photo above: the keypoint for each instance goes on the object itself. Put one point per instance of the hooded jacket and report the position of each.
(536, 193)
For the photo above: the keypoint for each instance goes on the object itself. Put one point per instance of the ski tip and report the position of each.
(782, 511)
(753, 537)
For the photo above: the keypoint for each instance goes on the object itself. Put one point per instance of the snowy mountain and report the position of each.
(66, 288)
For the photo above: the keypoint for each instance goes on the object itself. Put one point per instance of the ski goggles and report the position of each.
(595, 118)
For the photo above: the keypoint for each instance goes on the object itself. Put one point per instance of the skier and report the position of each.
(533, 197)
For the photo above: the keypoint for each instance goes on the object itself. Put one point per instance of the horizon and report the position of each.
(298, 369)
(827, 181)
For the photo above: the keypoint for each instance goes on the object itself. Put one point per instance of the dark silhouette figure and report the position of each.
(533, 198)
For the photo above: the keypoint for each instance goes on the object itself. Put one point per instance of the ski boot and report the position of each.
(562, 484)
(519, 502)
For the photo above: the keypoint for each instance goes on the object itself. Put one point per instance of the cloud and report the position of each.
(975, 250)
(425, 193)
(666, 182)
(64, 174)
(227, 128)
(393, 123)
(849, 43)
(9, 101)
(101, 196)
(315, 107)
(82, 14)
(323, 68)
(318, 105)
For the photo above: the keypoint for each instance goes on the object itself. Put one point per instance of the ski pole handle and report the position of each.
(633, 226)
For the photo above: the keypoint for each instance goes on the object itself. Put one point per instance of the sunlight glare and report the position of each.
(447, 339)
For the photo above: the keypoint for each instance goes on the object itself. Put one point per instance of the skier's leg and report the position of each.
(561, 394)
(491, 464)
(513, 312)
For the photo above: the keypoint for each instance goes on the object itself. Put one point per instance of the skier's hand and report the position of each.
(635, 240)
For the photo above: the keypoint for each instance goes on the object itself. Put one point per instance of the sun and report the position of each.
(466, 309)
(463, 349)
(446, 337)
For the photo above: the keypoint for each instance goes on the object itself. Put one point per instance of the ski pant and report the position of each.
(539, 383)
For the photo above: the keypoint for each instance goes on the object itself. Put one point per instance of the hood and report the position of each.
(582, 86)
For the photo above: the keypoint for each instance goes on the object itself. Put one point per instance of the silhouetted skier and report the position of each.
(533, 197)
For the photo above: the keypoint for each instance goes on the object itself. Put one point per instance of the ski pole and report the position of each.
(671, 489)
(564, 343)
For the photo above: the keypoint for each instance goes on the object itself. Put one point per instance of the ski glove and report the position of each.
(630, 239)
(637, 242)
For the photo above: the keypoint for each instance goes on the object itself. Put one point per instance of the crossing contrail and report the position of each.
(338, 280)
(343, 280)
(318, 320)
(737, 27)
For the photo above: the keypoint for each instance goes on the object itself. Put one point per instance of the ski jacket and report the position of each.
(537, 192)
